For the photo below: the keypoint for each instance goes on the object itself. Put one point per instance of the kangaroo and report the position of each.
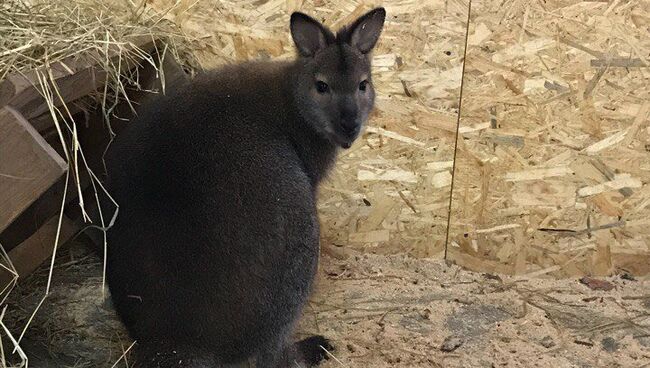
(216, 245)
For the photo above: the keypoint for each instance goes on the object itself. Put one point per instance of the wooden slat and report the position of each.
(28, 255)
(39, 212)
(28, 165)
(93, 136)
(148, 80)
(75, 77)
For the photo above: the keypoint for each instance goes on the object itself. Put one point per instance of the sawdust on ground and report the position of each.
(380, 311)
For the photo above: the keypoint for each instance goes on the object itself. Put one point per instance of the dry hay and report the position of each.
(390, 191)
(46, 40)
(76, 326)
(40, 35)
(553, 170)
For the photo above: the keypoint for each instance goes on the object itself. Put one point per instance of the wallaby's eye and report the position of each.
(322, 87)
(363, 85)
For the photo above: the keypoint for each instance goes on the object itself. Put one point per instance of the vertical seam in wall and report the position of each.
(460, 109)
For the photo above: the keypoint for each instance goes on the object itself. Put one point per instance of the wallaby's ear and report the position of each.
(308, 34)
(365, 31)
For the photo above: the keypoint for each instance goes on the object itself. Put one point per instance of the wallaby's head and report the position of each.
(333, 87)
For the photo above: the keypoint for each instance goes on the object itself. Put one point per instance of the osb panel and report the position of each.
(390, 191)
(553, 166)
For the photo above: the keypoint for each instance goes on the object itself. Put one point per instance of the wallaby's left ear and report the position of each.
(365, 31)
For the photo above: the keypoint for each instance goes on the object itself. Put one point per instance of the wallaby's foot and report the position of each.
(313, 349)
(304, 353)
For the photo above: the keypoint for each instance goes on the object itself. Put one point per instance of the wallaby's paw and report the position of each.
(312, 349)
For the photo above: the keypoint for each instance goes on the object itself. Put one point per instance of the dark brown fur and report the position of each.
(214, 251)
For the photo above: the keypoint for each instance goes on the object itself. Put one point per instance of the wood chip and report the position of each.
(596, 284)
(641, 117)
(440, 165)
(383, 204)
(451, 343)
(621, 181)
(388, 175)
(374, 236)
(393, 135)
(497, 228)
(441, 179)
(606, 143)
(538, 173)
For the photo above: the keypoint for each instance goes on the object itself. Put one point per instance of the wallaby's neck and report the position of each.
(317, 153)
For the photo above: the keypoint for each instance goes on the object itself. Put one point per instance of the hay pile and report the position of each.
(38, 33)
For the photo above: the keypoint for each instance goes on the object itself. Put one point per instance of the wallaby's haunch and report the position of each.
(215, 248)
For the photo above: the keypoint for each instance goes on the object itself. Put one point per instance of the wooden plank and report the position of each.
(28, 255)
(75, 77)
(93, 136)
(28, 165)
(44, 122)
(39, 212)
(149, 80)
(472, 262)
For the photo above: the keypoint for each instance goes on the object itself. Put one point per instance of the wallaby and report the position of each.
(216, 244)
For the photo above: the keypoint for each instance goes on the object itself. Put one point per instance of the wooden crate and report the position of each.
(32, 168)
(28, 165)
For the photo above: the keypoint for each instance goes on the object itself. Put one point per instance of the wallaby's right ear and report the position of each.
(309, 35)
(366, 30)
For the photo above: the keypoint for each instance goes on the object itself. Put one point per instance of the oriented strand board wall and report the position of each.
(390, 191)
(553, 170)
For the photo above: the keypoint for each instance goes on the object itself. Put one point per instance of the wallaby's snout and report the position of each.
(333, 88)
(350, 121)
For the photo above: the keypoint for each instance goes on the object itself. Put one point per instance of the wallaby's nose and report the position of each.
(349, 121)
(349, 126)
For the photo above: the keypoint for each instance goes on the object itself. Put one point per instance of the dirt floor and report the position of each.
(380, 311)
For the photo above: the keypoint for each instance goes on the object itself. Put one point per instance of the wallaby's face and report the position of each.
(333, 87)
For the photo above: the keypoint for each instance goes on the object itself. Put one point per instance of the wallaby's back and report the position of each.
(217, 150)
